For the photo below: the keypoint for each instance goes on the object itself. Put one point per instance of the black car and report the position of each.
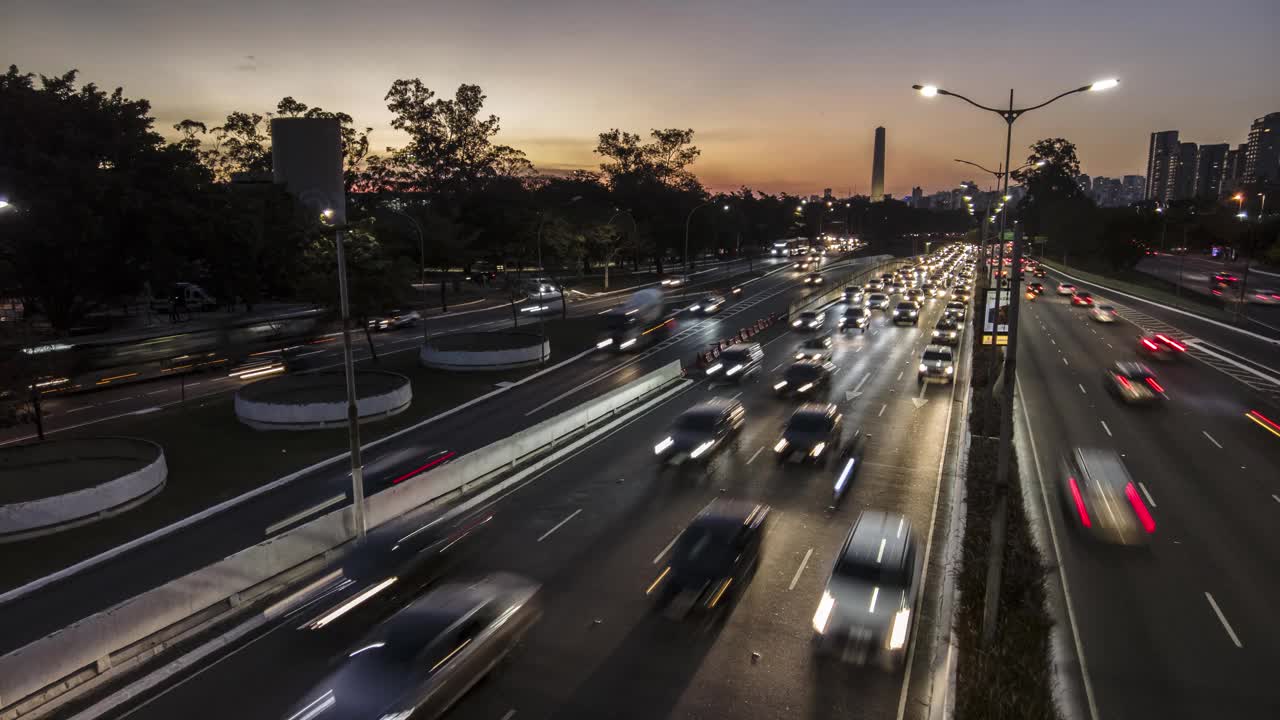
(812, 432)
(701, 430)
(906, 312)
(817, 347)
(713, 560)
(947, 331)
(855, 318)
(1133, 382)
(738, 362)
(804, 379)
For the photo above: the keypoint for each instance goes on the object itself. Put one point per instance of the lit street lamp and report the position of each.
(999, 520)
(684, 285)
(422, 270)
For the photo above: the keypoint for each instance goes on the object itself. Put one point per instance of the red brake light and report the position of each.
(1150, 345)
(1264, 422)
(1144, 517)
(424, 468)
(1075, 495)
(1154, 385)
(1123, 381)
(1172, 343)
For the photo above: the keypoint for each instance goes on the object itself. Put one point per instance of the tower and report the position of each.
(877, 168)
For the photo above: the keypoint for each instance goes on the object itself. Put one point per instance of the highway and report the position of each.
(1185, 628)
(1194, 273)
(594, 530)
(150, 564)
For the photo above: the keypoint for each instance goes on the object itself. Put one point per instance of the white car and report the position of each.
(1103, 313)
(673, 282)
(1066, 289)
(707, 305)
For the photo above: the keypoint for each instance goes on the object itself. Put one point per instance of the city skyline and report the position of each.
(765, 116)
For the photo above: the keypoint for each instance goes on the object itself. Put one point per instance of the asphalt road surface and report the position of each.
(594, 530)
(151, 564)
(1185, 628)
(1195, 273)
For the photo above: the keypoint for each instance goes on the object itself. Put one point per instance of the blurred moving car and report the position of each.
(855, 318)
(812, 431)
(1160, 346)
(1066, 289)
(708, 305)
(804, 378)
(817, 347)
(848, 462)
(1104, 313)
(810, 320)
(813, 278)
(1100, 499)
(955, 309)
(906, 312)
(937, 364)
(425, 657)
(864, 614)
(395, 320)
(1082, 299)
(713, 559)
(738, 361)
(675, 281)
(877, 301)
(917, 296)
(947, 331)
(961, 293)
(701, 430)
(1035, 287)
(1133, 382)
(853, 294)
(875, 285)
(895, 288)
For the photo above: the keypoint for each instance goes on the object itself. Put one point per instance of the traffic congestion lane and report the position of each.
(30, 617)
(1212, 536)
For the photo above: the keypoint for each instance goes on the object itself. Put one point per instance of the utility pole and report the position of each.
(348, 364)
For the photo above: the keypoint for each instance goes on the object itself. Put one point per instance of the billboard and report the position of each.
(995, 318)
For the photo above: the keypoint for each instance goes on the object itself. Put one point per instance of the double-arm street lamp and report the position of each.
(999, 520)
(684, 284)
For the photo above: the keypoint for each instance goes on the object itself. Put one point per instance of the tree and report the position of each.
(1054, 205)
(94, 187)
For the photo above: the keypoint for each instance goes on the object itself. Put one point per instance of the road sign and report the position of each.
(995, 319)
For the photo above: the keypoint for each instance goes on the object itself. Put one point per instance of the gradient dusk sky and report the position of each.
(783, 96)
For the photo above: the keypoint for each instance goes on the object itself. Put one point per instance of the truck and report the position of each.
(636, 323)
(187, 295)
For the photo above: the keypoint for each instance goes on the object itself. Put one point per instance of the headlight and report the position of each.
(913, 313)
(702, 448)
(951, 334)
(695, 308)
(924, 368)
(627, 344)
(780, 385)
(898, 634)
(781, 445)
(805, 387)
(949, 370)
(733, 370)
(604, 344)
(825, 605)
(817, 449)
(663, 446)
(795, 324)
(714, 369)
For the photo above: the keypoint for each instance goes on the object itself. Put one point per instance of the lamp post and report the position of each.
(348, 365)
(684, 285)
(422, 269)
(999, 521)
(634, 232)
(33, 389)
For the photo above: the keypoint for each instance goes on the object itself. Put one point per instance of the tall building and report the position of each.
(1209, 162)
(1185, 179)
(1107, 192)
(1162, 166)
(877, 168)
(917, 197)
(1134, 189)
(1084, 183)
(1232, 170)
(826, 194)
(1262, 158)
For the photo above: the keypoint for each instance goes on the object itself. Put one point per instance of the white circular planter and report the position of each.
(478, 352)
(101, 477)
(319, 400)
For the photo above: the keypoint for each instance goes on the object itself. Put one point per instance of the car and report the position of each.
(810, 320)
(1082, 299)
(813, 278)
(947, 331)
(855, 318)
(1039, 272)
(875, 285)
(699, 432)
(395, 320)
(887, 278)
(961, 294)
(865, 612)
(853, 294)
(937, 364)
(1066, 289)
(1035, 287)
(895, 288)
(955, 309)
(1104, 313)
(931, 290)
(878, 301)
(738, 361)
(1133, 383)
(708, 305)
(673, 282)
(906, 312)
(1160, 346)
(812, 431)
(713, 559)
(427, 655)
(817, 347)
(804, 378)
(1099, 498)
(917, 296)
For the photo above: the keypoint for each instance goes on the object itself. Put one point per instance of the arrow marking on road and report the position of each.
(857, 389)
(920, 400)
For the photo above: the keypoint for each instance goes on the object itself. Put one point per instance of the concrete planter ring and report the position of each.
(484, 351)
(319, 400)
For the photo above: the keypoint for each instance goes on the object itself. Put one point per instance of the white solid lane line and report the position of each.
(666, 550)
(82, 407)
(1081, 386)
(1146, 494)
(882, 407)
(796, 578)
(1223, 619)
(900, 374)
(755, 454)
(1215, 442)
(559, 524)
(305, 513)
(779, 366)
(509, 714)
(1104, 427)
(1064, 361)
(157, 392)
(1276, 498)
(1111, 346)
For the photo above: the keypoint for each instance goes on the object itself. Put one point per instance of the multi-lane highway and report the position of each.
(594, 530)
(1185, 628)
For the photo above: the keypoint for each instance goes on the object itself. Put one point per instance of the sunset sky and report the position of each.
(783, 96)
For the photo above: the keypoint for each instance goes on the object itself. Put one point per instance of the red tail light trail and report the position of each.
(1075, 495)
(1144, 516)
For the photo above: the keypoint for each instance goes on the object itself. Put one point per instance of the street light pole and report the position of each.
(348, 365)
(422, 270)
(999, 521)
(684, 285)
